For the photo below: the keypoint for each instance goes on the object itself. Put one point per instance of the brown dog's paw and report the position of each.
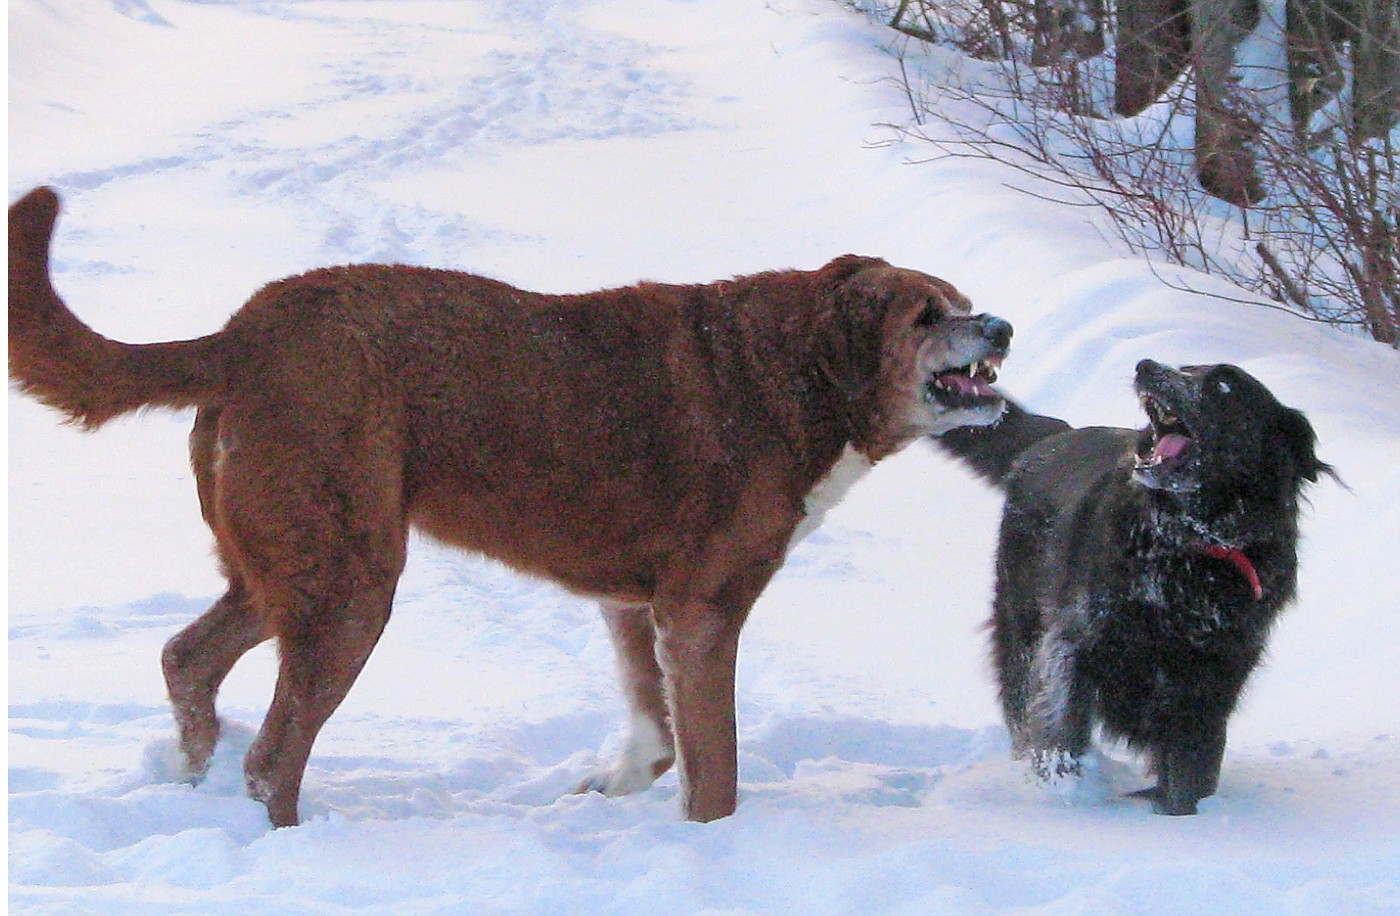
(636, 769)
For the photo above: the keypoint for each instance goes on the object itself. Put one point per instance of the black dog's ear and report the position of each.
(1296, 434)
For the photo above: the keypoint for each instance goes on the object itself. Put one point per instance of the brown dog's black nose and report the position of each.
(997, 331)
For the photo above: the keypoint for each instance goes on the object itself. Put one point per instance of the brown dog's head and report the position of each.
(914, 356)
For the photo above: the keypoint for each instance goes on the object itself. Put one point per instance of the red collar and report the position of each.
(1241, 563)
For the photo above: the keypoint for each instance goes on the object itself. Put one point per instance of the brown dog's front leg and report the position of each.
(699, 643)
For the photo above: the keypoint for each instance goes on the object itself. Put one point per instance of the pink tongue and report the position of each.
(1171, 446)
(967, 384)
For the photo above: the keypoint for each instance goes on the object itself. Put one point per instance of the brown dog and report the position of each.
(658, 447)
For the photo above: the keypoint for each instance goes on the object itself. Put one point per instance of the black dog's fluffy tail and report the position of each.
(991, 450)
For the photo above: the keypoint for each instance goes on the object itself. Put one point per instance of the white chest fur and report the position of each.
(848, 469)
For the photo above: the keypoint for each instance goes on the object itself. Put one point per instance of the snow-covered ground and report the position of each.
(207, 147)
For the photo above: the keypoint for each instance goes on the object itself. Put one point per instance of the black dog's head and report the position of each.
(1217, 427)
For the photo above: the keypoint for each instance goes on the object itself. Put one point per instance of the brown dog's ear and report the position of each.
(839, 270)
(956, 302)
(850, 301)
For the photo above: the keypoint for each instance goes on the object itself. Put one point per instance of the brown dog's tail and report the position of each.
(69, 366)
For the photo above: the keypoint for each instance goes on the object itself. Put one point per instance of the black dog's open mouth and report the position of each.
(1167, 442)
(965, 387)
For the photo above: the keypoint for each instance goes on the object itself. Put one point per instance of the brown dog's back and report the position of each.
(572, 436)
(498, 405)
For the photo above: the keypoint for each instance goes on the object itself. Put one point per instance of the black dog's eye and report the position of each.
(1220, 381)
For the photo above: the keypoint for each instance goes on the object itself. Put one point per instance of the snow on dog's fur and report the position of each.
(1139, 572)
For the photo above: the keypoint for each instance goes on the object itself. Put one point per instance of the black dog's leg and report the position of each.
(1016, 632)
(1187, 773)
(1061, 708)
(1013, 670)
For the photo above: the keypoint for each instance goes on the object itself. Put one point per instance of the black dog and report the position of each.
(1139, 573)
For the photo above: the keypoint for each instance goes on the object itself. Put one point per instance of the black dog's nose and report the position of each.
(996, 330)
(1146, 367)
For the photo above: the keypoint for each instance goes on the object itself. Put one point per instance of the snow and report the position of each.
(205, 148)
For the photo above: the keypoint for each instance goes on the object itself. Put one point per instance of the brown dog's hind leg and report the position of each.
(322, 653)
(311, 516)
(196, 661)
(325, 574)
(650, 749)
(198, 658)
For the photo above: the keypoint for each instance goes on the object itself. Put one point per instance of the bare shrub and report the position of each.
(1313, 224)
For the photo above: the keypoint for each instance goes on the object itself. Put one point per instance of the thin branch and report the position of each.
(1290, 289)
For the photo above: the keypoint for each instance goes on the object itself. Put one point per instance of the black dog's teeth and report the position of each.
(1152, 449)
(1161, 418)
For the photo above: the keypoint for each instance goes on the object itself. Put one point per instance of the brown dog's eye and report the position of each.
(928, 317)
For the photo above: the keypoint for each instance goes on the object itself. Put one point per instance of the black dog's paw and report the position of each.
(1163, 804)
(1055, 763)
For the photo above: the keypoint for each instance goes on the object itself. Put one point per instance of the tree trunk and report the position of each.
(1312, 37)
(1154, 46)
(1317, 33)
(1066, 29)
(1377, 280)
(1224, 162)
(1376, 68)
